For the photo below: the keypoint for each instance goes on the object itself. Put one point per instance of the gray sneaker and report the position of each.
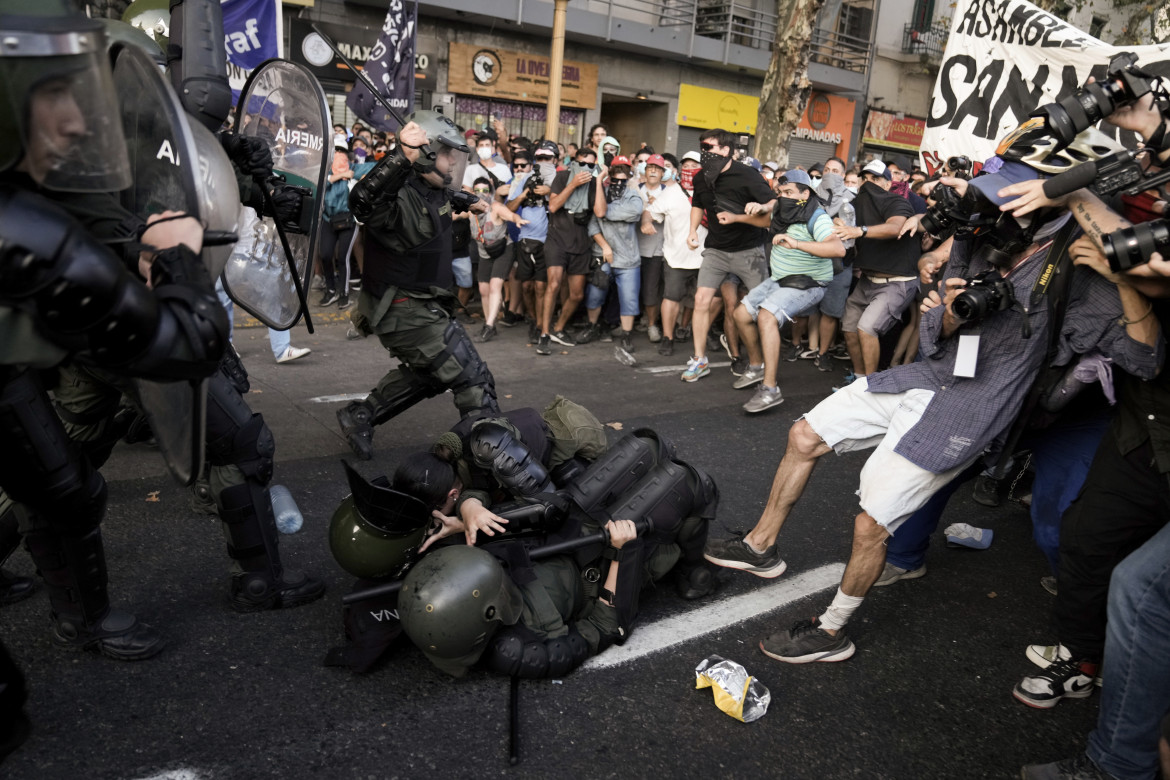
(892, 574)
(752, 375)
(764, 399)
(806, 642)
(738, 554)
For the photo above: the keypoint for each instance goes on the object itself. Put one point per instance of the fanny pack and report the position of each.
(341, 222)
(798, 282)
(495, 248)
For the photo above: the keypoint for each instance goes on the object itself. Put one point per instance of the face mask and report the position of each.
(615, 190)
(816, 181)
(789, 211)
(547, 170)
(667, 175)
(852, 189)
(608, 159)
(379, 155)
(360, 154)
(641, 169)
(484, 152)
(706, 157)
(713, 167)
(686, 178)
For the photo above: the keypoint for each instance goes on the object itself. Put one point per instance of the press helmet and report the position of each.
(452, 602)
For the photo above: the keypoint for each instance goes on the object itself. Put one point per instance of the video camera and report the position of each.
(1133, 246)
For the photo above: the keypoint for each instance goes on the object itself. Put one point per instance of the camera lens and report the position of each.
(970, 305)
(1133, 246)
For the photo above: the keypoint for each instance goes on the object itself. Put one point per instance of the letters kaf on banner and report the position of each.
(1004, 59)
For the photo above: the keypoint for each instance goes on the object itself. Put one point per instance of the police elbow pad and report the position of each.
(538, 659)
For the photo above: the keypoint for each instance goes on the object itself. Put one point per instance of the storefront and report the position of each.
(700, 108)
(887, 134)
(490, 82)
(823, 130)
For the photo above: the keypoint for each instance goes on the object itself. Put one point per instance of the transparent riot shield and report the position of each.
(283, 104)
(165, 162)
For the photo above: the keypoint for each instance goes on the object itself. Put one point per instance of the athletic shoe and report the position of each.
(625, 354)
(487, 333)
(696, 369)
(1045, 655)
(840, 352)
(641, 327)
(356, 285)
(682, 332)
(714, 343)
(607, 334)
(666, 347)
(510, 319)
(790, 352)
(738, 554)
(1049, 584)
(344, 302)
(964, 535)
(591, 332)
(750, 376)
(808, 354)
(563, 338)
(292, 353)
(850, 378)
(328, 298)
(764, 399)
(823, 362)
(352, 333)
(806, 642)
(739, 365)
(986, 490)
(892, 574)
(654, 333)
(723, 342)
(533, 332)
(1080, 768)
(1065, 679)
(543, 347)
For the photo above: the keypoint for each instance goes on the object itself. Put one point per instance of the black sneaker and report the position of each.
(329, 297)
(511, 319)
(739, 365)
(563, 338)
(1080, 768)
(543, 347)
(357, 425)
(666, 347)
(533, 332)
(806, 642)
(623, 351)
(823, 362)
(737, 554)
(344, 302)
(986, 490)
(682, 332)
(487, 333)
(790, 352)
(1067, 679)
(840, 352)
(591, 332)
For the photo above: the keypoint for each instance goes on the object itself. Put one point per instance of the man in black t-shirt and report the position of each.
(888, 265)
(566, 250)
(724, 190)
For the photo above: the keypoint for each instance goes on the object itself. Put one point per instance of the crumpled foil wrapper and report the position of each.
(737, 693)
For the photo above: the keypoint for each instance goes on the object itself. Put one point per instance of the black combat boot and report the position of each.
(262, 582)
(357, 424)
(13, 588)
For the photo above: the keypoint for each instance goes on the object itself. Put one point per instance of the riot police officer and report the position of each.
(64, 294)
(405, 204)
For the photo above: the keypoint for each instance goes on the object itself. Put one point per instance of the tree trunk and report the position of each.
(786, 84)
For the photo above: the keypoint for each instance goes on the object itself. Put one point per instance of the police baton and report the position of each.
(270, 205)
(547, 551)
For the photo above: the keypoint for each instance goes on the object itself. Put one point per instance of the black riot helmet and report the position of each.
(59, 116)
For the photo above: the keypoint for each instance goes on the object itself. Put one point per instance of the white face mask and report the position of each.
(340, 140)
(484, 152)
(852, 189)
(816, 181)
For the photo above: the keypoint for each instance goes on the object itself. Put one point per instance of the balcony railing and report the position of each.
(926, 40)
(840, 51)
(736, 23)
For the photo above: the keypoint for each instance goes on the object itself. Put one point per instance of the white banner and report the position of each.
(1003, 59)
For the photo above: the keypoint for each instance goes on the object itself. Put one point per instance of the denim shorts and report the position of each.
(784, 303)
(461, 267)
(629, 284)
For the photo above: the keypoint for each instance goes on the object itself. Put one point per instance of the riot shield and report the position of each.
(164, 160)
(283, 105)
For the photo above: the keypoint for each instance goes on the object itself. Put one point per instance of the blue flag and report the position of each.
(390, 69)
(251, 35)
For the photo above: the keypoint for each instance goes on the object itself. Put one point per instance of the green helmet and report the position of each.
(152, 17)
(376, 531)
(57, 99)
(452, 602)
(122, 34)
(444, 140)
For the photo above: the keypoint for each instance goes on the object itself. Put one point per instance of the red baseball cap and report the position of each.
(621, 159)
(657, 159)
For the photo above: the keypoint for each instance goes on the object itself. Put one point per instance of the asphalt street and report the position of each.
(927, 695)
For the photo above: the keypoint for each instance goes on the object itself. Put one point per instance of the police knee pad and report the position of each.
(473, 370)
(247, 444)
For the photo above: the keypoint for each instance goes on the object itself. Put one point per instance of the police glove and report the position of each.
(250, 155)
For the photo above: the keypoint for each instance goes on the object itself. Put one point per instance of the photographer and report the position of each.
(933, 418)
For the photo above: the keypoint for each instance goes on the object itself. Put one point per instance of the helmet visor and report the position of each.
(452, 163)
(70, 126)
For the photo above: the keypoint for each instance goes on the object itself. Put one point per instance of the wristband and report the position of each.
(614, 554)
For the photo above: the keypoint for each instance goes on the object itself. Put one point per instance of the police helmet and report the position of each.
(376, 531)
(58, 109)
(452, 602)
(444, 139)
(152, 17)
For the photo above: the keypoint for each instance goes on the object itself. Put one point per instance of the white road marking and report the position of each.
(336, 399)
(677, 369)
(176, 774)
(718, 616)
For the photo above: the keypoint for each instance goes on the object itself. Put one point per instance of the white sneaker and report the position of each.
(293, 353)
(654, 333)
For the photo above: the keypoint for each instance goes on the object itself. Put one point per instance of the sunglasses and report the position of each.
(708, 147)
(481, 190)
(518, 166)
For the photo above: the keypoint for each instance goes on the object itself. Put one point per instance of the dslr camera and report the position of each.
(984, 294)
(1125, 83)
(950, 214)
(1133, 246)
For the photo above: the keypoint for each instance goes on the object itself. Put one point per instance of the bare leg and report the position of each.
(828, 331)
(868, 558)
(853, 344)
(730, 293)
(799, 328)
(749, 334)
(702, 321)
(769, 329)
(576, 295)
(669, 318)
(814, 331)
(494, 298)
(871, 351)
(555, 275)
(804, 448)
